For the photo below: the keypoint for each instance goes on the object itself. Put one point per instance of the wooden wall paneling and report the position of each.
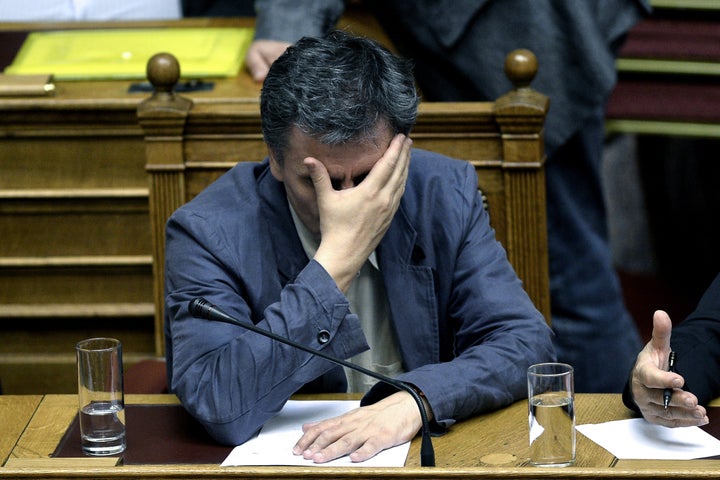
(74, 199)
(75, 256)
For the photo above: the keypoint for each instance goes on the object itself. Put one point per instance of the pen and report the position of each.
(667, 393)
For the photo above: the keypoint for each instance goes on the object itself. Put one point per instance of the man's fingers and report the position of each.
(319, 175)
(651, 376)
(403, 164)
(353, 443)
(689, 422)
(391, 164)
(368, 450)
(327, 440)
(679, 398)
(662, 330)
(392, 171)
(677, 416)
(256, 64)
(685, 400)
(338, 448)
(260, 55)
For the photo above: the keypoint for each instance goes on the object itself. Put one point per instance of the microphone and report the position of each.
(201, 308)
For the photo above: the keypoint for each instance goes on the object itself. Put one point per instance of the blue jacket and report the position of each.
(467, 331)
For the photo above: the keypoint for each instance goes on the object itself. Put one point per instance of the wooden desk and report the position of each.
(15, 413)
(488, 446)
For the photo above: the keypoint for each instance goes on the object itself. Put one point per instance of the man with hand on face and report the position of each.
(349, 241)
(696, 380)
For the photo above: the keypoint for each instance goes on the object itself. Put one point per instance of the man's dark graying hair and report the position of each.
(337, 89)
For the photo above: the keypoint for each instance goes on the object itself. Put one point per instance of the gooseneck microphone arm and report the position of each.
(201, 308)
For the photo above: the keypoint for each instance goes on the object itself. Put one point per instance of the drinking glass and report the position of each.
(551, 414)
(100, 393)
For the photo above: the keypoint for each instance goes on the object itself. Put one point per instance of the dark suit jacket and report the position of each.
(696, 342)
(466, 329)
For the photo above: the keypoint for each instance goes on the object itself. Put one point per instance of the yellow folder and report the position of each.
(123, 53)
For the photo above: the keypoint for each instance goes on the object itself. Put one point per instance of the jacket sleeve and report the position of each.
(696, 341)
(289, 20)
(231, 379)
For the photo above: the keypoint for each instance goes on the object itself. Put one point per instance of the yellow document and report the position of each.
(123, 53)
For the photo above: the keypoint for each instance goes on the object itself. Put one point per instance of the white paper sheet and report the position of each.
(637, 439)
(273, 445)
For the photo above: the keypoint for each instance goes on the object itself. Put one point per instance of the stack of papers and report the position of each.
(123, 53)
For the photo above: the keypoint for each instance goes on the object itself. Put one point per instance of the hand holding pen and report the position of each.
(658, 393)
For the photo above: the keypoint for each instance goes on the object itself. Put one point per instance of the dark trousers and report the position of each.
(594, 331)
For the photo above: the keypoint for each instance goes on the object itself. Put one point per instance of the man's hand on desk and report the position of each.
(362, 433)
(650, 377)
(261, 54)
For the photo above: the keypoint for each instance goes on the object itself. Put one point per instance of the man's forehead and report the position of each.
(370, 148)
(379, 134)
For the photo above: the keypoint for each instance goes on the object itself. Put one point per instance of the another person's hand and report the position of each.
(650, 377)
(354, 220)
(260, 55)
(361, 433)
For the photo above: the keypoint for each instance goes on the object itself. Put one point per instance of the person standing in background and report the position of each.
(459, 47)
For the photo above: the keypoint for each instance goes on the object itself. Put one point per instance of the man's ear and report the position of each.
(275, 166)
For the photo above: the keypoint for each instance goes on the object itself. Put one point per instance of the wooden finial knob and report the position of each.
(520, 67)
(163, 72)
